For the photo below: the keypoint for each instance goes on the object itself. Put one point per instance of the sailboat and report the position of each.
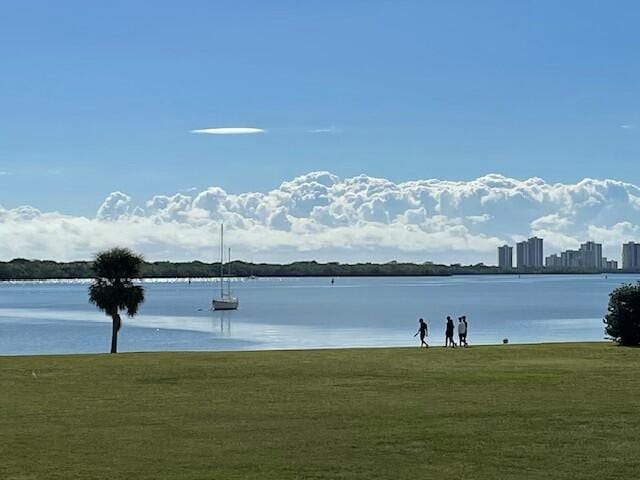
(226, 301)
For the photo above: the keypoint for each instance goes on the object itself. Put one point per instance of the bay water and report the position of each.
(44, 317)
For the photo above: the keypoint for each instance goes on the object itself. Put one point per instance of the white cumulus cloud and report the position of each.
(322, 216)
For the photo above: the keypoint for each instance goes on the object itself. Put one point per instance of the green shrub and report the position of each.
(623, 320)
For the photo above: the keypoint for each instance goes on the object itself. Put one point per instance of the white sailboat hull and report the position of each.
(227, 303)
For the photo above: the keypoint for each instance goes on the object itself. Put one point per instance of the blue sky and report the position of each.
(102, 96)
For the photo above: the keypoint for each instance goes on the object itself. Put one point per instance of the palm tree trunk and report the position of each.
(114, 332)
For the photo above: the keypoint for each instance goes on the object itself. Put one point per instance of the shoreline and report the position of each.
(213, 279)
(23, 269)
(312, 349)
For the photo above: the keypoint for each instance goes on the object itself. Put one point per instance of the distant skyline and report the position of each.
(156, 98)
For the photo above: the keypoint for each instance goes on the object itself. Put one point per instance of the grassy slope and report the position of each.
(561, 411)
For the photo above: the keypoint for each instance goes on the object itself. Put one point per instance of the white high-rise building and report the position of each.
(571, 259)
(631, 256)
(591, 255)
(505, 257)
(553, 261)
(522, 254)
(609, 265)
(530, 253)
(536, 252)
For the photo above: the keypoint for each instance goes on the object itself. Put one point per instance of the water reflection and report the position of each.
(225, 317)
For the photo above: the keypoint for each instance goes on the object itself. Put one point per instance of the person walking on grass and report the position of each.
(466, 330)
(462, 331)
(448, 337)
(423, 330)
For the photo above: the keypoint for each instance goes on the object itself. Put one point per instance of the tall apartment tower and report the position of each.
(530, 253)
(631, 256)
(522, 254)
(591, 255)
(505, 257)
(536, 252)
(571, 259)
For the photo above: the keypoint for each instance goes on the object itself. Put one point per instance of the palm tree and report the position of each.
(112, 289)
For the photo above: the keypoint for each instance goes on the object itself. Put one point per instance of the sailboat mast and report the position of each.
(229, 273)
(221, 260)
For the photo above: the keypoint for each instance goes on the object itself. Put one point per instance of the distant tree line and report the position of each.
(23, 269)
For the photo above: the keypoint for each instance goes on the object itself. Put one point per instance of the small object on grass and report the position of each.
(33, 374)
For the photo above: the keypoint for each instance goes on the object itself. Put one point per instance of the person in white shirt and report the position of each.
(462, 330)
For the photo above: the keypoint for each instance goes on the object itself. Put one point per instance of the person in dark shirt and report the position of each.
(423, 330)
(448, 337)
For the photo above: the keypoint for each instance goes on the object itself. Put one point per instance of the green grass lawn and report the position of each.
(502, 412)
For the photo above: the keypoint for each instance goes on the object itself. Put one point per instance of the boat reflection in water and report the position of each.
(225, 317)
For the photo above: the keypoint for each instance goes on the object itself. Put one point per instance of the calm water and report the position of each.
(55, 317)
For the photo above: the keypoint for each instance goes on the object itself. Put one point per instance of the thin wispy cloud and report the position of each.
(229, 130)
(2, 173)
(626, 126)
(324, 130)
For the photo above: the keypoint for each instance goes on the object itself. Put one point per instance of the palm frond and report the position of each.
(112, 289)
(117, 264)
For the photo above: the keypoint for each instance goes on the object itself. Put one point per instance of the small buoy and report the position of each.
(505, 340)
